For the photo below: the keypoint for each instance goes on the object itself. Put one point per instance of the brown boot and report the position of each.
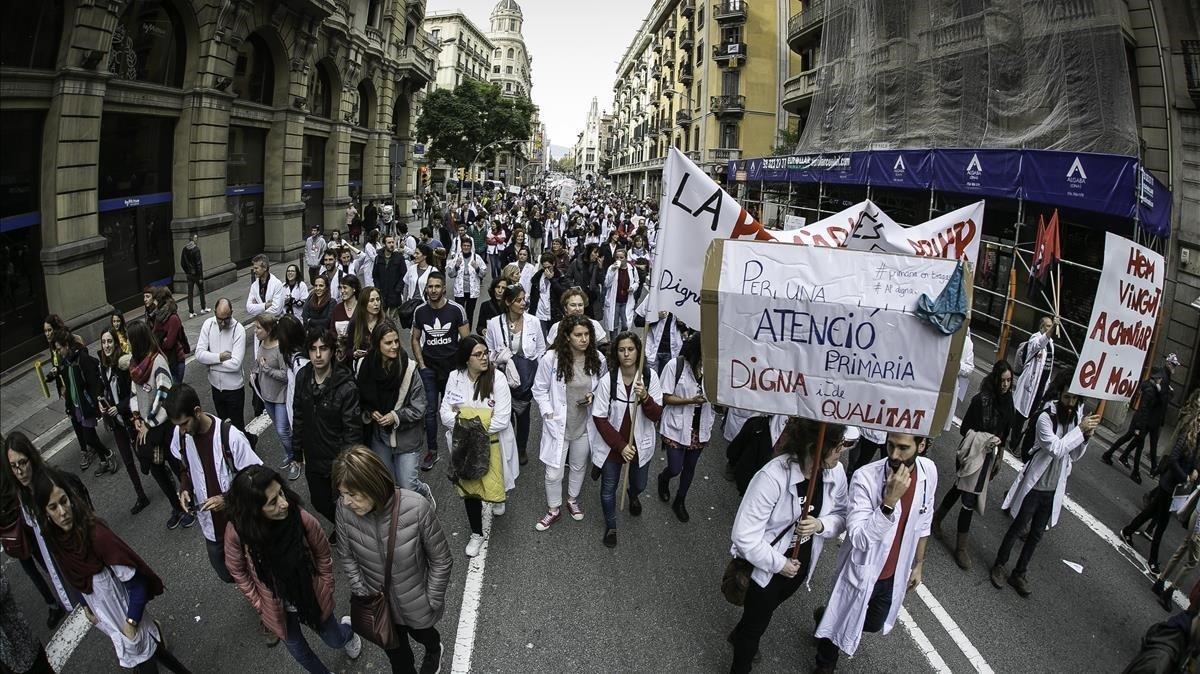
(961, 556)
(938, 515)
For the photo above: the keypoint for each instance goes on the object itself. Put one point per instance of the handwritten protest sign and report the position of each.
(864, 226)
(1124, 314)
(695, 211)
(829, 334)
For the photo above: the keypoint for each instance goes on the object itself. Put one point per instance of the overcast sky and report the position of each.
(575, 48)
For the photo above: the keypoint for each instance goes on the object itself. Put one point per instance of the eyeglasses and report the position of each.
(21, 464)
(480, 354)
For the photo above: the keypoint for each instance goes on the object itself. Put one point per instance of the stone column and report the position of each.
(283, 212)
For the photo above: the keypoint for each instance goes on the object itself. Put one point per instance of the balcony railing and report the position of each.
(730, 10)
(798, 89)
(685, 74)
(669, 30)
(687, 39)
(669, 59)
(1191, 68)
(413, 59)
(727, 104)
(683, 117)
(729, 51)
(724, 155)
(687, 8)
(807, 19)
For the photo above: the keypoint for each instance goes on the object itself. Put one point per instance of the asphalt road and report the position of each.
(560, 601)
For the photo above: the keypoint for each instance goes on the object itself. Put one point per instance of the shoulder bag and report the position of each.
(371, 614)
(736, 579)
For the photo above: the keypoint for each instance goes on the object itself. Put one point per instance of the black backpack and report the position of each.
(612, 378)
(1029, 435)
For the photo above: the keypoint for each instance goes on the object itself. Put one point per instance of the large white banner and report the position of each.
(864, 226)
(828, 334)
(1128, 301)
(694, 212)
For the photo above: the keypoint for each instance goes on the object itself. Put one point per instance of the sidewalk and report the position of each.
(24, 407)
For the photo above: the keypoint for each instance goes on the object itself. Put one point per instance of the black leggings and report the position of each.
(320, 494)
(164, 657)
(401, 656)
(121, 435)
(35, 576)
(474, 508)
(964, 514)
(1159, 512)
(878, 608)
(759, 607)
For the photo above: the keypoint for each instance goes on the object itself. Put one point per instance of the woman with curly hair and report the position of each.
(566, 378)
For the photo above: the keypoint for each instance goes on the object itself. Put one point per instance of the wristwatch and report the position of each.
(886, 509)
(131, 622)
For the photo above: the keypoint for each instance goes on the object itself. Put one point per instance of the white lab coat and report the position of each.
(496, 335)
(467, 277)
(869, 536)
(299, 295)
(1067, 442)
(363, 266)
(677, 419)
(966, 365)
(610, 297)
(297, 364)
(255, 304)
(735, 419)
(526, 278)
(460, 389)
(613, 408)
(655, 334)
(1039, 348)
(550, 393)
(239, 449)
(414, 281)
(773, 503)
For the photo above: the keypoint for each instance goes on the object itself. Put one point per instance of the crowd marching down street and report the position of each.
(393, 356)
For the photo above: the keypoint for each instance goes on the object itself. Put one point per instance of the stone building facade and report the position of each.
(130, 124)
(512, 71)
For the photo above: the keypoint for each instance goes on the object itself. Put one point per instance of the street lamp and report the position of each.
(477, 155)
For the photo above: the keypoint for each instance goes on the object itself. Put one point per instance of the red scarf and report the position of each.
(80, 560)
(140, 372)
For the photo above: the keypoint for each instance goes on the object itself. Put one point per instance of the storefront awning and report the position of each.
(1103, 183)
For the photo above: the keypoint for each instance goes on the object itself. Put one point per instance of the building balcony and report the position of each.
(724, 155)
(694, 155)
(317, 9)
(687, 8)
(665, 127)
(669, 30)
(727, 105)
(683, 118)
(419, 67)
(685, 74)
(687, 39)
(959, 35)
(729, 54)
(668, 60)
(798, 91)
(730, 11)
(1191, 68)
(805, 25)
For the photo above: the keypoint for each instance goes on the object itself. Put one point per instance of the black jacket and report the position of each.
(1177, 468)
(588, 276)
(124, 393)
(989, 415)
(190, 261)
(325, 420)
(558, 285)
(389, 278)
(1155, 395)
(487, 311)
(86, 370)
(317, 318)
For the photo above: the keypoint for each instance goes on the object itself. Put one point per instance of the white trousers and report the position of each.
(573, 454)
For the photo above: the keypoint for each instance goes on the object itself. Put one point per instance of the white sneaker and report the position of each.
(498, 509)
(474, 545)
(354, 646)
(206, 311)
(191, 315)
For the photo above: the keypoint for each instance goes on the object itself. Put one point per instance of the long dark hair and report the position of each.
(613, 361)
(487, 378)
(691, 351)
(562, 348)
(381, 330)
(245, 500)
(12, 491)
(991, 383)
(290, 333)
(799, 440)
(83, 517)
(142, 341)
(109, 362)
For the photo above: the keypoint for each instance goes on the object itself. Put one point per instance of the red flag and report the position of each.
(1047, 252)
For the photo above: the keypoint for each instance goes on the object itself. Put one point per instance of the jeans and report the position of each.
(1035, 514)
(283, 427)
(312, 275)
(618, 318)
(610, 480)
(402, 464)
(878, 608)
(681, 462)
(178, 370)
(521, 424)
(433, 376)
(216, 557)
(757, 611)
(196, 281)
(333, 633)
(1159, 511)
(574, 455)
(231, 405)
(495, 264)
(401, 656)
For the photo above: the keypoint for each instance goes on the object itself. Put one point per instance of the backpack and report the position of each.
(1029, 434)
(1022, 357)
(612, 378)
(470, 451)
(225, 425)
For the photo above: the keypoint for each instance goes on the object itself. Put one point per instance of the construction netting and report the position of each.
(1039, 74)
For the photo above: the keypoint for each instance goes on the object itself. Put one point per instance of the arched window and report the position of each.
(254, 72)
(364, 104)
(30, 33)
(149, 44)
(320, 92)
(510, 52)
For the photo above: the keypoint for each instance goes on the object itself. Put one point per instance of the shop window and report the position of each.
(149, 44)
(313, 163)
(254, 72)
(320, 92)
(246, 148)
(135, 155)
(30, 35)
(22, 303)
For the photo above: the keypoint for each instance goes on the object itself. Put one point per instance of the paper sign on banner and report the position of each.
(793, 221)
(828, 334)
(694, 212)
(833, 231)
(1125, 312)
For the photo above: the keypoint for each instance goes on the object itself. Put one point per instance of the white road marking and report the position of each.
(926, 647)
(464, 640)
(960, 639)
(67, 638)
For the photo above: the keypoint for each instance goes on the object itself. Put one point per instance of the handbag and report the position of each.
(736, 579)
(1182, 496)
(14, 539)
(519, 370)
(470, 453)
(371, 614)
(406, 311)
